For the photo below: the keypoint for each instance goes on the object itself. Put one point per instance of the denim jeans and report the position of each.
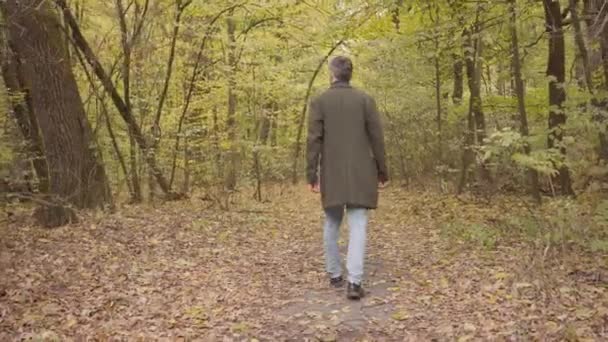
(357, 223)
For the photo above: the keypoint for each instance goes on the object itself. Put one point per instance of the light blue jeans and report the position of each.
(357, 224)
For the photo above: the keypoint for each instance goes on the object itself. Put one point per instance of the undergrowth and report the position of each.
(564, 224)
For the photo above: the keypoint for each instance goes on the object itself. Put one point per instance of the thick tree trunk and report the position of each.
(556, 71)
(75, 170)
(520, 92)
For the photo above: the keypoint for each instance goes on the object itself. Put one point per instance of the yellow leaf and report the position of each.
(400, 316)
(501, 275)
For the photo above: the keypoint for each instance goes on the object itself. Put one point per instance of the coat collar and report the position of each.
(341, 84)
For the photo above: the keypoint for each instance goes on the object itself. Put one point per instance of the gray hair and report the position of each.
(341, 68)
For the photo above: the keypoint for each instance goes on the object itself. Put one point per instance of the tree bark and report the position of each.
(23, 111)
(520, 92)
(76, 173)
(556, 71)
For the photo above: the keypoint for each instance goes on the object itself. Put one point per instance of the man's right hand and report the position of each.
(382, 181)
(314, 188)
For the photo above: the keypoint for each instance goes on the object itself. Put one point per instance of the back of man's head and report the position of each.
(341, 68)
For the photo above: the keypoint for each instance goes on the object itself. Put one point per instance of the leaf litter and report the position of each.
(180, 272)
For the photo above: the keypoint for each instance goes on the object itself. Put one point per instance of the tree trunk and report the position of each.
(592, 11)
(23, 111)
(458, 80)
(76, 173)
(262, 140)
(156, 129)
(476, 126)
(231, 174)
(556, 71)
(520, 92)
(119, 156)
(438, 104)
(580, 43)
(187, 157)
(127, 44)
(603, 153)
(216, 145)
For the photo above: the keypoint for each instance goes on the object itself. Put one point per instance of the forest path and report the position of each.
(256, 273)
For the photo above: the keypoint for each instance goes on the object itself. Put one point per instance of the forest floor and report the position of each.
(255, 273)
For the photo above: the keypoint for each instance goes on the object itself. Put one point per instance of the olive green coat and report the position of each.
(345, 134)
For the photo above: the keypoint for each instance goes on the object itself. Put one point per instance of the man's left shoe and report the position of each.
(354, 291)
(336, 282)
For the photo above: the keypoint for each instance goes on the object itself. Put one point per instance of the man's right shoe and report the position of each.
(354, 291)
(336, 282)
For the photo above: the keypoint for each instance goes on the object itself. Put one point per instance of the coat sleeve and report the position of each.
(314, 143)
(375, 132)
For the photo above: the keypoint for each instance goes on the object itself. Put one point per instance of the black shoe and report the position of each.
(336, 282)
(355, 291)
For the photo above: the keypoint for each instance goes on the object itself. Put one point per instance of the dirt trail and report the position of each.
(181, 272)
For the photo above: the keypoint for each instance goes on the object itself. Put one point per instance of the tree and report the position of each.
(476, 125)
(556, 72)
(128, 40)
(231, 173)
(521, 95)
(76, 173)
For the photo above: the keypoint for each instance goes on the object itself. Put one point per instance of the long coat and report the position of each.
(345, 134)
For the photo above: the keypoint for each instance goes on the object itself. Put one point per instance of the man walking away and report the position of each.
(345, 135)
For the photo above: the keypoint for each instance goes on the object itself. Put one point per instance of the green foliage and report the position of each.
(399, 49)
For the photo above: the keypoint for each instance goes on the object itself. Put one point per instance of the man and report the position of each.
(345, 133)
